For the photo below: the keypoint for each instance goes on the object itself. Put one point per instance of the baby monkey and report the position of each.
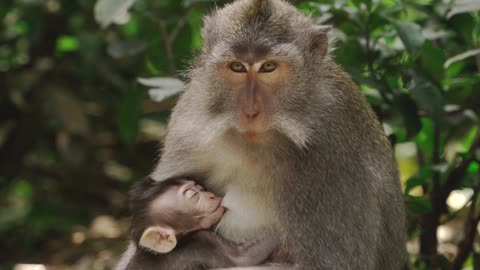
(170, 228)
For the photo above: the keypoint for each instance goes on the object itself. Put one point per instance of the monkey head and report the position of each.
(258, 64)
(174, 211)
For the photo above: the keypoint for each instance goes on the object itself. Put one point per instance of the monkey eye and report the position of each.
(237, 67)
(190, 193)
(268, 67)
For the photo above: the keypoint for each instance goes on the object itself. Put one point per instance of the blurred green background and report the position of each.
(77, 128)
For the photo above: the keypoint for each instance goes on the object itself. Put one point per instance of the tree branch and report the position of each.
(369, 45)
(439, 195)
(180, 24)
(456, 176)
(471, 223)
(430, 222)
(169, 38)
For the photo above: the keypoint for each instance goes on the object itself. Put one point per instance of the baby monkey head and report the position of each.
(171, 209)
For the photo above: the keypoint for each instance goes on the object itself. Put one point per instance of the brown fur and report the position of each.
(325, 181)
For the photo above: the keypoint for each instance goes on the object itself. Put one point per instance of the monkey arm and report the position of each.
(126, 257)
(200, 250)
(248, 254)
(261, 267)
(231, 254)
(322, 238)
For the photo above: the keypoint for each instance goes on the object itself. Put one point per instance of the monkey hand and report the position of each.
(254, 252)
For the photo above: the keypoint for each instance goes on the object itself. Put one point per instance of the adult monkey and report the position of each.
(273, 125)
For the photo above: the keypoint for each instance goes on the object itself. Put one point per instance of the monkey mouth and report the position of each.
(255, 137)
(218, 212)
(217, 207)
(250, 136)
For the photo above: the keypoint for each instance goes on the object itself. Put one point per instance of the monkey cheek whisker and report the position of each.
(295, 130)
(214, 129)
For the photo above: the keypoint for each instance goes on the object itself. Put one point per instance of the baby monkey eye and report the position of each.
(190, 193)
(237, 67)
(268, 67)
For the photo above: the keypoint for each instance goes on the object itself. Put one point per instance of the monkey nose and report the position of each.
(252, 113)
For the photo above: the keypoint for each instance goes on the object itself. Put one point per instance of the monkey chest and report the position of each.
(246, 196)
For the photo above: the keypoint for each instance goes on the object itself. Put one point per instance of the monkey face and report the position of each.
(254, 83)
(187, 207)
(201, 205)
(261, 68)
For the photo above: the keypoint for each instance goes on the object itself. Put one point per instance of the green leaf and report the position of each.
(473, 168)
(129, 112)
(428, 96)
(418, 205)
(22, 189)
(464, 26)
(470, 114)
(187, 3)
(156, 53)
(413, 182)
(131, 29)
(125, 48)
(454, 69)
(162, 87)
(67, 44)
(409, 112)
(195, 21)
(418, 179)
(411, 35)
(467, 141)
(21, 27)
(161, 116)
(182, 46)
(462, 56)
(432, 59)
(112, 11)
(150, 66)
(464, 6)
(424, 138)
(444, 262)
(350, 53)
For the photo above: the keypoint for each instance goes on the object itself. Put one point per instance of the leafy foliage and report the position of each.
(76, 129)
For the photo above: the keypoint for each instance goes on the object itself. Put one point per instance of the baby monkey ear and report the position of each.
(158, 239)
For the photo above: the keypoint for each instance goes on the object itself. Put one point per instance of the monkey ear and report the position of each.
(158, 239)
(319, 40)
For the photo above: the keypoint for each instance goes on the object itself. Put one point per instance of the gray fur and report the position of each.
(327, 185)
